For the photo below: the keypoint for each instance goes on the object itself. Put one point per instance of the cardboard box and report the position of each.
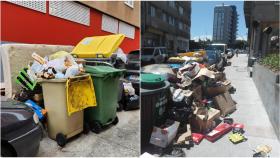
(224, 103)
(197, 93)
(185, 136)
(220, 76)
(213, 91)
(204, 118)
(162, 137)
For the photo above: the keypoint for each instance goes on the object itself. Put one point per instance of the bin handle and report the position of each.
(101, 62)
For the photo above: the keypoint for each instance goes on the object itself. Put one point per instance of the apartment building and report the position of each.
(225, 24)
(166, 23)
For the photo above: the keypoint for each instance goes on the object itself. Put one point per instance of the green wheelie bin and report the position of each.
(106, 85)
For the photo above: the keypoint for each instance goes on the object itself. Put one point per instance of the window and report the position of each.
(71, 11)
(173, 21)
(171, 4)
(109, 24)
(180, 25)
(181, 10)
(130, 3)
(153, 11)
(127, 29)
(164, 16)
(35, 5)
(170, 20)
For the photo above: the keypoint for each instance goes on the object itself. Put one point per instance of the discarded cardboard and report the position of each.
(205, 72)
(218, 132)
(204, 119)
(162, 137)
(224, 103)
(197, 93)
(213, 91)
(220, 76)
(185, 136)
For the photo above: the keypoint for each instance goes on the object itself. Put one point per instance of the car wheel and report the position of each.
(116, 121)
(7, 152)
(61, 139)
(86, 128)
(95, 127)
(152, 61)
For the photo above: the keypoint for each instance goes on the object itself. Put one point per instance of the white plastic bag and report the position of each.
(128, 88)
(121, 55)
(72, 71)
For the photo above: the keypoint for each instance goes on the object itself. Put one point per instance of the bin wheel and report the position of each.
(86, 128)
(116, 120)
(61, 139)
(96, 127)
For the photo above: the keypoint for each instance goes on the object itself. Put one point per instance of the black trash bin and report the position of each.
(155, 96)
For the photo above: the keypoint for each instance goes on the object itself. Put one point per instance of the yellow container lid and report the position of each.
(98, 46)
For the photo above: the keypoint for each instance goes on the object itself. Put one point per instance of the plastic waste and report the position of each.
(121, 55)
(128, 88)
(40, 112)
(72, 71)
(197, 137)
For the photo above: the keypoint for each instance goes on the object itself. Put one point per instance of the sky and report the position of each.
(203, 15)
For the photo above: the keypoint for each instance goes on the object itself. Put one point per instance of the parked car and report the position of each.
(214, 57)
(221, 48)
(20, 130)
(153, 55)
(133, 69)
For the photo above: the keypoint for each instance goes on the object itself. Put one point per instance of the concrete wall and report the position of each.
(267, 83)
(118, 9)
(17, 56)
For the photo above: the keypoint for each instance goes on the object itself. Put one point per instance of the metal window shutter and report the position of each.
(70, 11)
(109, 24)
(127, 30)
(34, 5)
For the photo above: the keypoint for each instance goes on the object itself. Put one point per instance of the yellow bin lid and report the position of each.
(93, 47)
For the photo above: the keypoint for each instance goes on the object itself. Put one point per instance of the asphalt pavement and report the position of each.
(250, 111)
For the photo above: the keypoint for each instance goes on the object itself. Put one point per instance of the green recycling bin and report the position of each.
(154, 99)
(106, 85)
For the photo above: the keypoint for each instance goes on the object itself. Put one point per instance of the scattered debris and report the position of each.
(262, 151)
(163, 136)
(197, 137)
(218, 132)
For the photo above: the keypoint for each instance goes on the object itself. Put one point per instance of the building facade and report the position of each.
(68, 22)
(262, 21)
(225, 24)
(166, 23)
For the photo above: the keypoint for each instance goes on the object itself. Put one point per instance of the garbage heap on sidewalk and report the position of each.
(199, 107)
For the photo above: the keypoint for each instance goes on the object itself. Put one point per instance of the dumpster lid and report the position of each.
(91, 47)
(152, 81)
(103, 71)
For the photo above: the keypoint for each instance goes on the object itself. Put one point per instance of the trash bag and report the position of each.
(131, 102)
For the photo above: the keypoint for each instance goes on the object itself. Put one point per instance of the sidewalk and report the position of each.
(120, 140)
(250, 112)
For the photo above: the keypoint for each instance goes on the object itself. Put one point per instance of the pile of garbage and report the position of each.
(59, 65)
(200, 107)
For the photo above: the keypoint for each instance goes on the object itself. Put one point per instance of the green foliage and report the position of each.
(271, 61)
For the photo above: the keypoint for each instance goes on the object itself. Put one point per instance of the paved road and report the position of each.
(250, 112)
(120, 140)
